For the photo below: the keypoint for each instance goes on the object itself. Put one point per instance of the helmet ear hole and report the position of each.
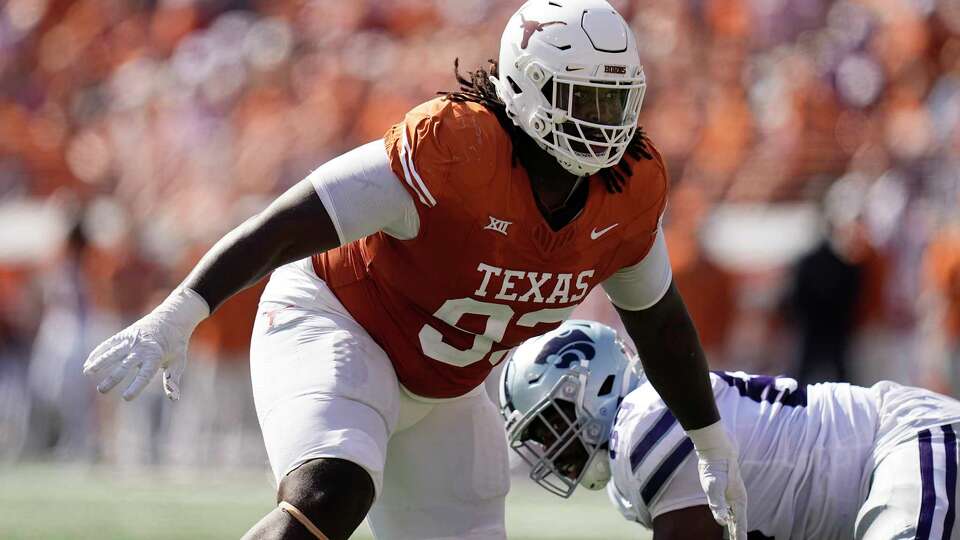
(514, 86)
(547, 90)
(606, 387)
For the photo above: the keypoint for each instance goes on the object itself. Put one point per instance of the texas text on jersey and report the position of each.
(485, 271)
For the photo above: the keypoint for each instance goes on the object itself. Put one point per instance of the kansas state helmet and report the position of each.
(559, 394)
(570, 76)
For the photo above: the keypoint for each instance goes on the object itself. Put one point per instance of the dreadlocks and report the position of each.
(477, 87)
(617, 176)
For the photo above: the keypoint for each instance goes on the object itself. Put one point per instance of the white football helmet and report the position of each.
(570, 76)
(559, 395)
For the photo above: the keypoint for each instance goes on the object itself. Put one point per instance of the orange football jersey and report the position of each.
(485, 271)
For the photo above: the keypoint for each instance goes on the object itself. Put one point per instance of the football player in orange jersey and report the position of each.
(404, 270)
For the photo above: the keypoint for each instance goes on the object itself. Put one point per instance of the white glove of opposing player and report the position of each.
(720, 478)
(158, 340)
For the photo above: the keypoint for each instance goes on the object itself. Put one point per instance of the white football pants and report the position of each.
(324, 388)
(913, 492)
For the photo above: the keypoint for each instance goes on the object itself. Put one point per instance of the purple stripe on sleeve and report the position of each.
(928, 496)
(650, 439)
(666, 468)
(950, 452)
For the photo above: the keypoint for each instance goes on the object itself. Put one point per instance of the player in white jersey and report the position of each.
(826, 461)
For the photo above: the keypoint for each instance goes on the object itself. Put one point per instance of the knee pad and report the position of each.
(330, 497)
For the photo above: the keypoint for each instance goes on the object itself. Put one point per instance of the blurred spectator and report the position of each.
(943, 281)
(125, 284)
(15, 312)
(215, 423)
(63, 414)
(827, 286)
(222, 345)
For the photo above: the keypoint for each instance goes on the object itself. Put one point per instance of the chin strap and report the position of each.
(304, 520)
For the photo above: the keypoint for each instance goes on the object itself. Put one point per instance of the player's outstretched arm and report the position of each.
(694, 522)
(347, 198)
(294, 226)
(673, 359)
(674, 362)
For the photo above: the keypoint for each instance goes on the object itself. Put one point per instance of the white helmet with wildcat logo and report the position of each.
(559, 394)
(570, 76)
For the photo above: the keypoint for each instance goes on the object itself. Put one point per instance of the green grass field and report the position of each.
(39, 501)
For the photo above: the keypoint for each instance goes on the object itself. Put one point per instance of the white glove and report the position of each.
(720, 478)
(158, 340)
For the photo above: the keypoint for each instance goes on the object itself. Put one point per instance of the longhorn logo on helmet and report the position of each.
(529, 27)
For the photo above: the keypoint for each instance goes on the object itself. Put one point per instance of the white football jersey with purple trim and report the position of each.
(809, 458)
(803, 452)
(905, 410)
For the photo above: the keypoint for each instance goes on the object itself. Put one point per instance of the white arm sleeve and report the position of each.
(642, 285)
(362, 195)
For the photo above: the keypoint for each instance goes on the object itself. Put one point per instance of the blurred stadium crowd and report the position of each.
(814, 145)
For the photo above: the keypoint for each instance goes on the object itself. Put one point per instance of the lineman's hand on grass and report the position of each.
(720, 478)
(157, 341)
